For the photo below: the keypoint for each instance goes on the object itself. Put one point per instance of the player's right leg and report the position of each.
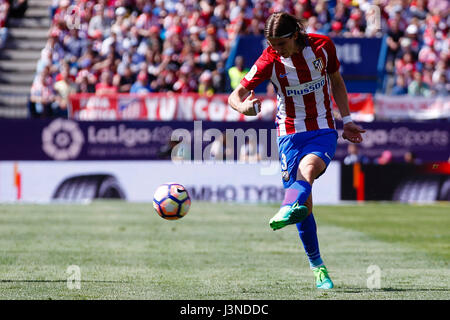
(295, 208)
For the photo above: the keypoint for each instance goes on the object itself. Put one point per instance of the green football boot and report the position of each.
(323, 280)
(288, 215)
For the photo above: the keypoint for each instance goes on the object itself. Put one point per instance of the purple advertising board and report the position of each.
(63, 139)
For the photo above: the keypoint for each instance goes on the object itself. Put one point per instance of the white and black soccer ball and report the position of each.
(171, 201)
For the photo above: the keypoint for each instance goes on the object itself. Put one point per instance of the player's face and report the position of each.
(285, 47)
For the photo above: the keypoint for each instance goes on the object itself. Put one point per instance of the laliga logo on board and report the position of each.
(62, 139)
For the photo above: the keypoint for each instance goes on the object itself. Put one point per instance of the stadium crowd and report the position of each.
(141, 46)
(10, 9)
(4, 11)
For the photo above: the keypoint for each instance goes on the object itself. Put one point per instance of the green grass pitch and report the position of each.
(221, 251)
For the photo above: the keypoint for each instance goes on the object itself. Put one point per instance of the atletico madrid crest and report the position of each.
(318, 64)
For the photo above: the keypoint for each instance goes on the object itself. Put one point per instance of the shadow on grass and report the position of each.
(366, 290)
(52, 281)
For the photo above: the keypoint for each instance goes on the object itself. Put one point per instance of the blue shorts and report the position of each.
(292, 148)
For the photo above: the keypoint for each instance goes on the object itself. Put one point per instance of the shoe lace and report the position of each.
(321, 273)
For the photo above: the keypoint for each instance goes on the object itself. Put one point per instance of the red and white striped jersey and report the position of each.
(302, 84)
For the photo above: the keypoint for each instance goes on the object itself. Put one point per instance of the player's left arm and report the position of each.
(352, 132)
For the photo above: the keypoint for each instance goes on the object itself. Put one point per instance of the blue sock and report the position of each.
(307, 231)
(298, 191)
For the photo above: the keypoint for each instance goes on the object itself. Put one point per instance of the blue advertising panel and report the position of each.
(358, 57)
(63, 139)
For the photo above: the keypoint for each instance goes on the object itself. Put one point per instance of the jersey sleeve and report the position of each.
(333, 63)
(260, 71)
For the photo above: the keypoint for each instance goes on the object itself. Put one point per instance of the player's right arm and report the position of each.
(243, 98)
(244, 101)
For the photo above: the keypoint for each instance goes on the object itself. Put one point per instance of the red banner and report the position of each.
(409, 107)
(184, 107)
(361, 106)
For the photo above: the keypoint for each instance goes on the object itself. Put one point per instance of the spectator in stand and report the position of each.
(427, 75)
(418, 9)
(110, 44)
(132, 59)
(393, 42)
(205, 86)
(303, 8)
(354, 156)
(355, 25)
(336, 29)
(100, 24)
(18, 8)
(323, 15)
(440, 70)
(59, 12)
(73, 44)
(53, 7)
(410, 158)
(417, 87)
(385, 158)
(219, 78)
(110, 62)
(341, 12)
(394, 12)
(400, 87)
(441, 87)
(182, 84)
(42, 95)
(125, 79)
(83, 84)
(105, 86)
(146, 20)
(405, 64)
(151, 43)
(412, 34)
(141, 85)
(121, 26)
(63, 87)
(237, 72)
(4, 11)
(220, 21)
(313, 25)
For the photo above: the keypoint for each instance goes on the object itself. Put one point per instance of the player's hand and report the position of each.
(352, 132)
(249, 105)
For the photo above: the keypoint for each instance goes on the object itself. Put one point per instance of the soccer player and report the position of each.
(304, 70)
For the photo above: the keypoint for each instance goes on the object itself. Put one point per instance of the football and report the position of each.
(171, 201)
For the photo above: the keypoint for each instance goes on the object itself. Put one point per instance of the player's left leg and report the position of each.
(310, 168)
(316, 156)
(307, 231)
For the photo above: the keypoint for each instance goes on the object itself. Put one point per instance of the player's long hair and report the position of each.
(285, 25)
